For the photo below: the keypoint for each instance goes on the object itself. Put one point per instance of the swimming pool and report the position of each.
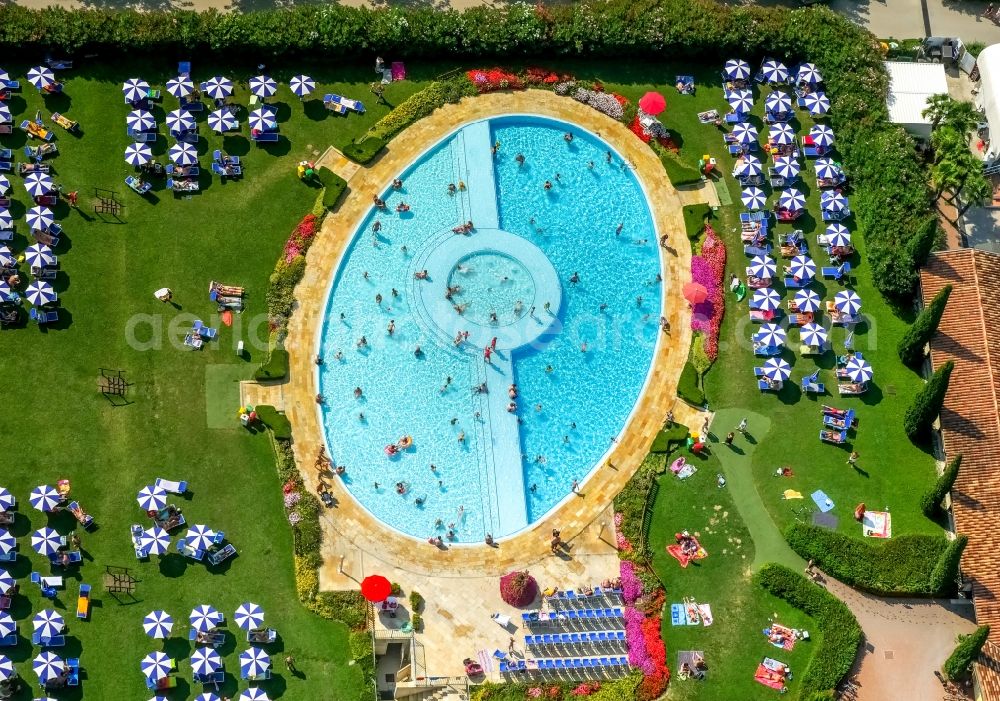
(561, 282)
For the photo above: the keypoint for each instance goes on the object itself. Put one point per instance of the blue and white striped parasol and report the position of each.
(6, 219)
(774, 71)
(221, 121)
(822, 135)
(8, 543)
(745, 133)
(151, 498)
(140, 120)
(204, 618)
(832, 201)
(807, 301)
(180, 120)
(762, 266)
(802, 267)
(7, 260)
(249, 616)
(7, 500)
(263, 119)
(778, 101)
(740, 100)
(183, 154)
(39, 218)
(206, 696)
(847, 301)
(38, 184)
(199, 537)
(808, 73)
(44, 498)
(746, 166)
(135, 89)
(777, 369)
(302, 85)
(814, 335)
(158, 624)
(766, 299)
(254, 662)
(48, 666)
(181, 86)
(253, 694)
(838, 235)
(858, 370)
(156, 665)
(792, 199)
(40, 293)
(4, 75)
(205, 660)
(219, 87)
(786, 167)
(155, 540)
(38, 255)
(263, 86)
(7, 624)
(40, 76)
(138, 154)
(4, 185)
(48, 623)
(737, 69)
(817, 103)
(828, 168)
(6, 667)
(5, 115)
(754, 198)
(7, 294)
(771, 335)
(45, 541)
(781, 134)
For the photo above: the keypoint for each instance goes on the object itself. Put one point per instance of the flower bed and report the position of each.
(708, 268)
(300, 240)
(493, 79)
(646, 649)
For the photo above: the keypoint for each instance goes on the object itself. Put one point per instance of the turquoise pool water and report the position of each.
(572, 274)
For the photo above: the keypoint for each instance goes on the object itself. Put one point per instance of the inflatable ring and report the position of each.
(405, 442)
(391, 450)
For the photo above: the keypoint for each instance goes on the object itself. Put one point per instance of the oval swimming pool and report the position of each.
(471, 377)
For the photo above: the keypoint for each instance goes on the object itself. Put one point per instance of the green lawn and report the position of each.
(58, 425)
(734, 644)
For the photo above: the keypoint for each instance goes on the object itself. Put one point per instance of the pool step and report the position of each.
(481, 183)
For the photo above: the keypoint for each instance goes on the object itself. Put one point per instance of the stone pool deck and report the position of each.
(459, 582)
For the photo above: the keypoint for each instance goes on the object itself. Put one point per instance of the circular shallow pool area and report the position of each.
(472, 376)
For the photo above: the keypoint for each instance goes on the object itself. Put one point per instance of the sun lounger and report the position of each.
(37, 153)
(37, 131)
(83, 602)
(810, 386)
(85, 519)
(708, 116)
(767, 351)
(334, 105)
(214, 638)
(852, 388)
(55, 582)
(793, 284)
(143, 137)
(772, 386)
(10, 640)
(25, 168)
(137, 185)
(349, 103)
(833, 436)
(262, 636)
(187, 551)
(736, 118)
(11, 84)
(6, 166)
(265, 137)
(220, 556)
(215, 678)
(837, 273)
(171, 486)
(836, 216)
(54, 641)
(43, 317)
(140, 552)
(70, 125)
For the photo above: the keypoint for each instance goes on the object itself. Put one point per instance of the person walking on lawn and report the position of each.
(742, 428)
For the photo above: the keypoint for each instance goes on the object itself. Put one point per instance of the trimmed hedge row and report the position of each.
(841, 631)
(275, 367)
(275, 420)
(891, 199)
(908, 564)
(333, 187)
(689, 386)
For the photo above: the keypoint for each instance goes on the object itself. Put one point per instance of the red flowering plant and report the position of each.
(542, 76)
(493, 79)
(708, 268)
(518, 588)
(302, 236)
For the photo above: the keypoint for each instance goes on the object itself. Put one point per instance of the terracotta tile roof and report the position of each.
(969, 335)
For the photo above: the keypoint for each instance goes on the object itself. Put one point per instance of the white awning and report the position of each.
(910, 84)
(988, 99)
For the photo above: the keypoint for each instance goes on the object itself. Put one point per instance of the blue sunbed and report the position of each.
(793, 284)
(265, 137)
(837, 273)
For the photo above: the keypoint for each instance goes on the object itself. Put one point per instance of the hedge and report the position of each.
(923, 411)
(695, 216)
(630, 502)
(841, 631)
(276, 421)
(333, 187)
(275, 367)
(689, 386)
(364, 152)
(931, 502)
(669, 437)
(911, 345)
(891, 200)
(956, 667)
(679, 172)
(907, 564)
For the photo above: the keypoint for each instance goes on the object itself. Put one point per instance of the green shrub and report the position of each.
(417, 621)
(931, 502)
(841, 631)
(957, 666)
(420, 104)
(926, 405)
(348, 607)
(903, 565)
(669, 437)
(364, 151)
(333, 187)
(276, 421)
(280, 295)
(944, 576)
(630, 502)
(275, 367)
(911, 346)
(416, 601)
(695, 216)
(689, 386)
(699, 356)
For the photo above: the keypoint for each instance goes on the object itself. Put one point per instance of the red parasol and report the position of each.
(695, 292)
(652, 103)
(376, 588)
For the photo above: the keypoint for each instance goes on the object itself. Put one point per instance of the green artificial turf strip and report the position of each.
(734, 644)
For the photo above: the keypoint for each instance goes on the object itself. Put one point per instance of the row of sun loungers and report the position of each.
(593, 637)
(541, 617)
(561, 664)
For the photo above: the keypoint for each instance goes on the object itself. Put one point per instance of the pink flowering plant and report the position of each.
(708, 269)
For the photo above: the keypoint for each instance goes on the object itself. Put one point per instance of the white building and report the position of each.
(988, 97)
(910, 84)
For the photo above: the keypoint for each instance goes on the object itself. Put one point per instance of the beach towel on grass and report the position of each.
(780, 636)
(706, 614)
(691, 611)
(678, 617)
(767, 677)
(822, 500)
(791, 494)
(877, 524)
(678, 554)
(686, 471)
